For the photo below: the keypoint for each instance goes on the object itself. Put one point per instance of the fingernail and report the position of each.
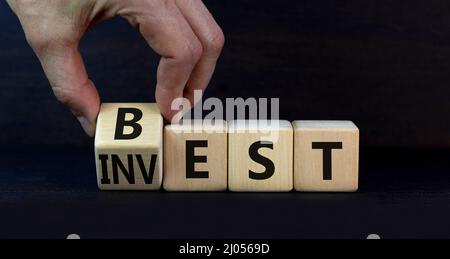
(87, 126)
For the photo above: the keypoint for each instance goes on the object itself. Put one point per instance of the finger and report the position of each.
(66, 72)
(211, 38)
(170, 35)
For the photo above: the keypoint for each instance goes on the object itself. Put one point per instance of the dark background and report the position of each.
(383, 64)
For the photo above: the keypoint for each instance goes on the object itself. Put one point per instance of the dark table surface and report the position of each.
(52, 192)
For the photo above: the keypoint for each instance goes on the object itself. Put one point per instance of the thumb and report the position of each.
(65, 70)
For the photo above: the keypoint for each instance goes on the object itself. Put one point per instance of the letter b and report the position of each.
(122, 122)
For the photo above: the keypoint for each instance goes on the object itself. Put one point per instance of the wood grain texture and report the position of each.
(176, 137)
(242, 134)
(148, 144)
(309, 161)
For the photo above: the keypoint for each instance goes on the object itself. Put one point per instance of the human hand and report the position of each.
(183, 32)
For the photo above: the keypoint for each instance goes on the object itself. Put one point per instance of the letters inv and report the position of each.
(131, 165)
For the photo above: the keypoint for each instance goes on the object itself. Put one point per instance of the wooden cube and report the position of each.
(326, 156)
(260, 156)
(128, 146)
(195, 156)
